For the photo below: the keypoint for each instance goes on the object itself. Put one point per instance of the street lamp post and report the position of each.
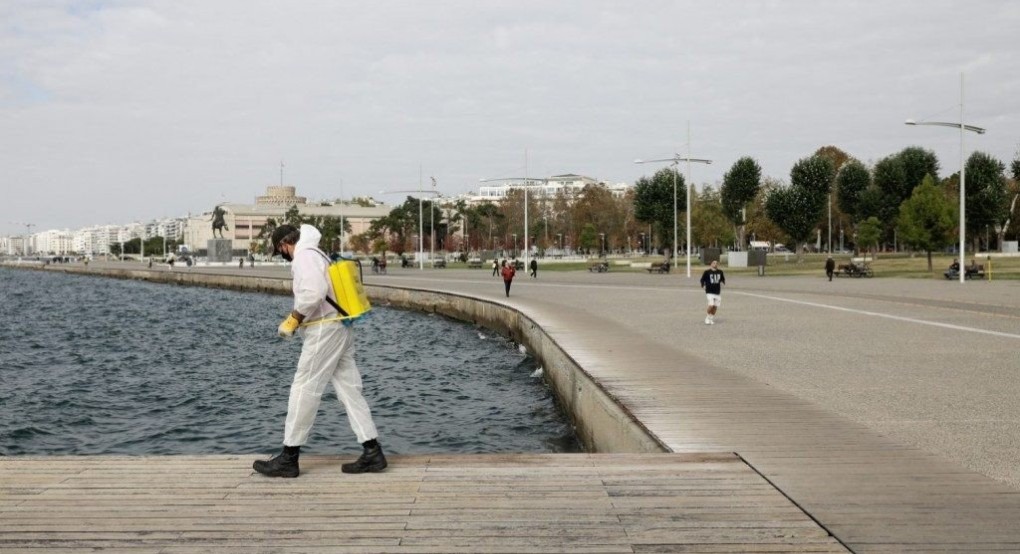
(675, 160)
(602, 249)
(963, 168)
(421, 213)
(527, 252)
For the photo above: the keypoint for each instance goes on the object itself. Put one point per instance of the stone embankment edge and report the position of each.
(602, 423)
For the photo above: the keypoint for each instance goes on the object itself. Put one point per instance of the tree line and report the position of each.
(899, 201)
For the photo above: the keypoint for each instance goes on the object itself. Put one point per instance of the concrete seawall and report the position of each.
(602, 424)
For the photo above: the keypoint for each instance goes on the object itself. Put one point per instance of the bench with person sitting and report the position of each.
(662, 267)
(972, 271)
(598, 267)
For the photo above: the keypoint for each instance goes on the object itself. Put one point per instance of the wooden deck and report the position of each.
(472, 503)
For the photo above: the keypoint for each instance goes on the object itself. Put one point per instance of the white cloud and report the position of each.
(127, 110)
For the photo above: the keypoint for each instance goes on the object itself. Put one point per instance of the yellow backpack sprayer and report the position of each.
(351, 300)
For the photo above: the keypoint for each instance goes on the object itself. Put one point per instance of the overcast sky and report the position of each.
(120, 111)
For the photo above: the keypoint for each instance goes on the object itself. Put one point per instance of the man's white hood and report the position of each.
(309, 238)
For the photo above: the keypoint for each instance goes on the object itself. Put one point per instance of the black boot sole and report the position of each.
(270, 473)
(370, 469)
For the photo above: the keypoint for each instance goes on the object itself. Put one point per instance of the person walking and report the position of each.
(495, 266)
(508, 272)
(327, 356)
(534, 268)
(712, 281)
(830, 267)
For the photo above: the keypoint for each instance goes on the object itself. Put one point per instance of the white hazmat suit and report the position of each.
(327, 354)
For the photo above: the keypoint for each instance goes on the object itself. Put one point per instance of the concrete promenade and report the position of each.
(888, 410)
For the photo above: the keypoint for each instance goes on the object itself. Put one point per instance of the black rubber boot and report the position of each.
(285, 464)
(372, 460)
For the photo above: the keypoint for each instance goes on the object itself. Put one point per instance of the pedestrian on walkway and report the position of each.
(495, 266)
(712, 281)
(327, 356)
(534, 268)
(830, 267)
(508, 276)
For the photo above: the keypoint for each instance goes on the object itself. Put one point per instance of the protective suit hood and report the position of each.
(309, 238)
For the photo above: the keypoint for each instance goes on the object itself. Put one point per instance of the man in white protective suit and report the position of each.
(327, 356)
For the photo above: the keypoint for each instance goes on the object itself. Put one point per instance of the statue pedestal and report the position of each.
(219, 250)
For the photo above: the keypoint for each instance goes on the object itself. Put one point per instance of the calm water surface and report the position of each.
(92, 365)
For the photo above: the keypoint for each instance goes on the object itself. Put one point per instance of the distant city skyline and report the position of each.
(140, 110)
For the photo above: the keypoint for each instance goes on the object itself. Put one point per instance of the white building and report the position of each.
(570, 184)
(96, 240)
(54, 242)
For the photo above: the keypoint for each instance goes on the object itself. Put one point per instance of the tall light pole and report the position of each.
(421, 213)
(675, 160)
(963, 170)
(526, 180)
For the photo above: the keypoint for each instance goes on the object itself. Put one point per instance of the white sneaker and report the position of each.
(711, 321)
(708, 320)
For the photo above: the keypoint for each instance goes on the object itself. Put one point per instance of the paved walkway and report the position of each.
(887, 409)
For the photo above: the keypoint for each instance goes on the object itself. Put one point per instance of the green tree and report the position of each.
(759, 226)
(653, 202)
(587, 238)
(869, 232)
(815, 175)
(1013, 192)
(927, 219)
(896, 176)
(986, 194)
(917, 163)
(709, 224)
(851, 182)
(740, 186)
(797, 209)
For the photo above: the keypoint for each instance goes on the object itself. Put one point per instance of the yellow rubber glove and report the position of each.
(288, 326)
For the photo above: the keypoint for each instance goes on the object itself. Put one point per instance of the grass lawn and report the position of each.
(884, 265)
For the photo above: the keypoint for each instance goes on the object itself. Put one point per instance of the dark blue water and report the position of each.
(92, 365)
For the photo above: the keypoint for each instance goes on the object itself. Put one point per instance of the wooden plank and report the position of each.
(590, 503)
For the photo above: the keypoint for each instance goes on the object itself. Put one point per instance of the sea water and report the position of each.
(93, 365)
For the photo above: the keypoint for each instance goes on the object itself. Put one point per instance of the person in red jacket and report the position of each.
(508, 272)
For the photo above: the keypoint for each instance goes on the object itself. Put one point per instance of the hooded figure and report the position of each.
(327, 357)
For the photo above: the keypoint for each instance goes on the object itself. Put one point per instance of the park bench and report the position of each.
(659, 268)
(968, 273)
(441, 263)
(598, 267)
(474, 263)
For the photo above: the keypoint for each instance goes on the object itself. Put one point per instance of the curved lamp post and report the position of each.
(527, 180)
(675, 161)
(421, 213)
(963, 169)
